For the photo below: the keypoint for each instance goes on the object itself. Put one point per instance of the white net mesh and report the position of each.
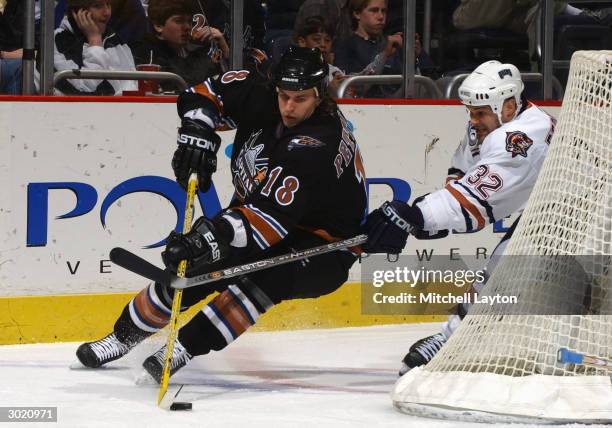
(569, 214)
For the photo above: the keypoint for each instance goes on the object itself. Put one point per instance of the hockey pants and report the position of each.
(241, 301)
(449, 327)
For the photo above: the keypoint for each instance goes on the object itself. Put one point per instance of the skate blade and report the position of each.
(77, 365)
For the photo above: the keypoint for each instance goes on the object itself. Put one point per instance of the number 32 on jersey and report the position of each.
(485, 182)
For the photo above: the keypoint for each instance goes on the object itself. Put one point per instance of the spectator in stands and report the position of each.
(168, 45)
(316, 32)
(334, 12)
(218, 15)
(518, 16)
(129, 20)
(11, 41)
(85, 41)
(11, 44)
(395, 16)
(367, 51)
(280, 22)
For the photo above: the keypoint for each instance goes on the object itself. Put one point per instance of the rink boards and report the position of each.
(83, 176)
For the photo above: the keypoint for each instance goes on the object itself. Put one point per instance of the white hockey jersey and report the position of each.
(490, 181)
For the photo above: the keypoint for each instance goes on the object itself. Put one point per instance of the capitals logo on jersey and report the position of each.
(249, 170)
(304, 141)
(518, 143)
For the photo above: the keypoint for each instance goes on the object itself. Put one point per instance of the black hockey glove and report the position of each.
(388, 227)
(425, 235)
(206, 243)
(197, 151)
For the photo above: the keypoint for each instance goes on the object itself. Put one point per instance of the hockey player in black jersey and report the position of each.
(299, 182)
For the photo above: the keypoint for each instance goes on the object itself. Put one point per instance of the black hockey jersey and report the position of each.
(310, 176)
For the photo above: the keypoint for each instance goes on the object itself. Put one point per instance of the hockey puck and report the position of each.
(181, 406)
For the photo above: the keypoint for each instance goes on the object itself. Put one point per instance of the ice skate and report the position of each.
(100, 352)
(154, 365)
(422, 351)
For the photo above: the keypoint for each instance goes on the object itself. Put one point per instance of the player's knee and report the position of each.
(329, 274)
(225, 318)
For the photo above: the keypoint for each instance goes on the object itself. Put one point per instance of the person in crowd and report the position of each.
(169, 44)
(11, 36)
(85, 41)
(334, 12)
(280, 20)
(515, 15)
(369, 52)
(11, 40)
(316, 32)
(520, 16)
(218, 15)
(129, 20)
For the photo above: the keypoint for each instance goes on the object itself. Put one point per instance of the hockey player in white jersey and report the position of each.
(491, 177)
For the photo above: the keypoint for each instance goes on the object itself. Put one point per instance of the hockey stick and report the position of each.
(192, 187)
(136, 264)
(182, 283)
(565, 356)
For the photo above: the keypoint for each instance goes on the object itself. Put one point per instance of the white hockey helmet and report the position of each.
(491, 84)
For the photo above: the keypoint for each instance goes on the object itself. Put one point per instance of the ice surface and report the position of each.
(322, 378)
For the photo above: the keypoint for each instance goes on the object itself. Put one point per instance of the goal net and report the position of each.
(504, 366)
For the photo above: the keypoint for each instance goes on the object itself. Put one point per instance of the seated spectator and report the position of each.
(334, 12)
(169, 43)
(11, 40)
(280, 21)
(315, 32)
(129, 20)
(517, 16)
(11, 35)
(218, 15)
(513, 15)
(85, 41)
(10, 72)
(367, 51)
